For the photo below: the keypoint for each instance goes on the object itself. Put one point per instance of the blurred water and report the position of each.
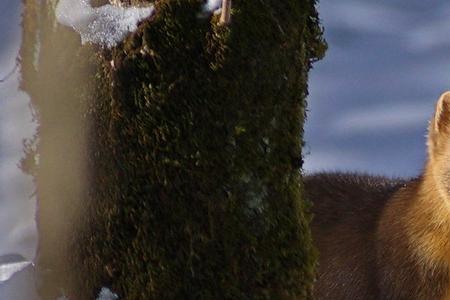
(373, 94)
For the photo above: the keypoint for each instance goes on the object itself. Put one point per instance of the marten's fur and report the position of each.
(386, 239)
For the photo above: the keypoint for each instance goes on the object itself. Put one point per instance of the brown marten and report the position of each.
(386, 239)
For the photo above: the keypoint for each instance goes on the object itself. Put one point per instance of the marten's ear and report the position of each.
(441, 122)
(439, 131)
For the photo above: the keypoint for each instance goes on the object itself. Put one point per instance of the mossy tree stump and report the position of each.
(176, 171)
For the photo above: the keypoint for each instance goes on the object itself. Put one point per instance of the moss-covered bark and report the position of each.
(186, 184)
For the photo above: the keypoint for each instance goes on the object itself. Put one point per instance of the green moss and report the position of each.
(194, 156)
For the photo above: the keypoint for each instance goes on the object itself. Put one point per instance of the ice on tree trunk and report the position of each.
(106, 25)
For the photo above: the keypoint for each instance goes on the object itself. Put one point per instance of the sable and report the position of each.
(383, 238)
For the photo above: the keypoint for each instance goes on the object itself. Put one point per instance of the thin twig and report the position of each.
(7, 76)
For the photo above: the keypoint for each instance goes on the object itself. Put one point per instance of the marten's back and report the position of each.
(346, 209)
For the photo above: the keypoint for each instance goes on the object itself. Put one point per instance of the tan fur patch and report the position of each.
(428, 227)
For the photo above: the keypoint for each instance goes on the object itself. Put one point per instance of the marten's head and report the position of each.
(439, 145)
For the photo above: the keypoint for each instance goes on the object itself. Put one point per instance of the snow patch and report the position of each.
(9, 269)
(106, 25)
(212, 5)
(106, 294)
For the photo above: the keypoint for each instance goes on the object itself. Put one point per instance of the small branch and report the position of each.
(7, 76)
(225, 16)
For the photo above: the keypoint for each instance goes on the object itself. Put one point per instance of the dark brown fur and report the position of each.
(362, 257)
